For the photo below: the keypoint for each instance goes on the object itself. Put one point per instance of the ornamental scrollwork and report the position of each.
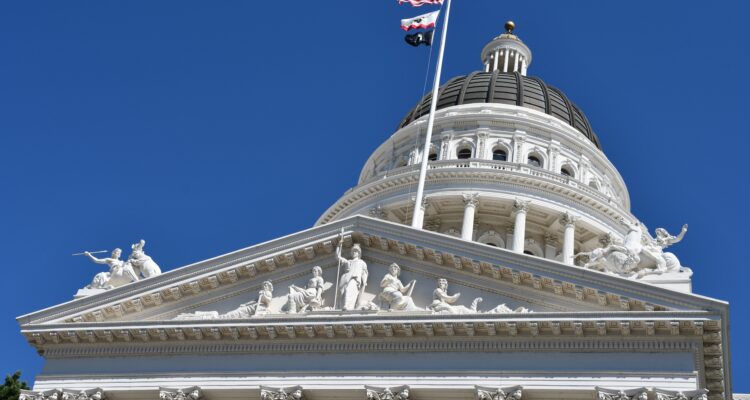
(392, 393)
(191, 393)
(290, 393)
(508, 393)
(617, 394)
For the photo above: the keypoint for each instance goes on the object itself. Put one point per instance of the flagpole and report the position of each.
(418, 214)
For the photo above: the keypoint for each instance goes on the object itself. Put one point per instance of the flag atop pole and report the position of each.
(420, 3)
(424, 21)
(418, 214)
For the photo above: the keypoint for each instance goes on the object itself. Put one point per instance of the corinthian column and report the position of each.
(569, 222)
(470, 205)
(520, 207)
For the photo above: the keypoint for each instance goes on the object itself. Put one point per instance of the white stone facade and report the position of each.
(526, 281)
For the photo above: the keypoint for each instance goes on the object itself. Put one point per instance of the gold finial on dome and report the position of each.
(509, 26)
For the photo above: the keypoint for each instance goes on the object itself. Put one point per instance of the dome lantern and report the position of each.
(506, 53)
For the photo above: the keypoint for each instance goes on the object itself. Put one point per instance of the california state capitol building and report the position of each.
(529, 279)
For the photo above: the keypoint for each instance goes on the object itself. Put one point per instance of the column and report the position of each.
(470, 205)
(509, 238)
(420, 211)
(505, 62)
(523, 67)
(569, 222)
(515, 62)
(494, 62)
(520, 207)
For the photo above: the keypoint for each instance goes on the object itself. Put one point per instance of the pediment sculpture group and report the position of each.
(637, 255)
(394, 294)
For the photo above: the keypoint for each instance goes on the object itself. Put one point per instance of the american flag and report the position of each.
(419, 3)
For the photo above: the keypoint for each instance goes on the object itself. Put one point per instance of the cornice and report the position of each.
(471, 172)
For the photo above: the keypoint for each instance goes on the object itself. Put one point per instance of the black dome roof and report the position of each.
(506, 88)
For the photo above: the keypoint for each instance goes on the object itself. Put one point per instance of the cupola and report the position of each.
(506, 53)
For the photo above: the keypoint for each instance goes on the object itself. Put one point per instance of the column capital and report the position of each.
(90, 394)
(618, 394)
(568, 219)
(470, 199)
(189, 393)
(521, 206)
(491, 393)
(388, 393)
(288, 393)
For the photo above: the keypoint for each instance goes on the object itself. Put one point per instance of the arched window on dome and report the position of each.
(499, 154)
(463, 153)
(567, 171)
(433, 156)
(533, 248)
(535, 160)
(492, 238)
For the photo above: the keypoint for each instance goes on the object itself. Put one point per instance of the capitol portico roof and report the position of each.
(506, 88)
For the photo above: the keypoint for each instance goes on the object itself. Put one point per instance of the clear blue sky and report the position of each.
(205, 127)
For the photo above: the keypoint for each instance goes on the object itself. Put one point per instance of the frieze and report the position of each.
(437, 344)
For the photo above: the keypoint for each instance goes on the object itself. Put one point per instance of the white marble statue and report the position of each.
(123, 272)
(120, 272)
(255, 308)
(353, 280)
(395, 293)
(639, 254)
(443, 303)
(309, 298)
(142, 263)
(654, 250)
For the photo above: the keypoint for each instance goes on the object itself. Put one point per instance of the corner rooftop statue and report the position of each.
(529, 278)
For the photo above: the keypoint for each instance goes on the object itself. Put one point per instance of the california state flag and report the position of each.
(419, 3)
(424, 21)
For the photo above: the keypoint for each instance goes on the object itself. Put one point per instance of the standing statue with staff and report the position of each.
(354, 280)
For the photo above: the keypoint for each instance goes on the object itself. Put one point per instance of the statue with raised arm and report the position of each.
(443, 303)
(309, 298)
(254, 308)
(142, 263)
(353, 280)
(664, 239)
(120, 272)
(663, 261)
(395, 293)
(638, 256)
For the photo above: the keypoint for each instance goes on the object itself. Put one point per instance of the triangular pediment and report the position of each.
(498, 276)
